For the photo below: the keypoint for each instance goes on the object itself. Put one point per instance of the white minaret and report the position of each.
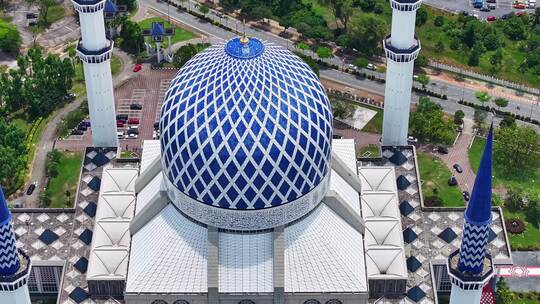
(401, 49)
(95, 50)
(15, 265)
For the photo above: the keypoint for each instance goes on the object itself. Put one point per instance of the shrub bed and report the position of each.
(499, 112)
(515, 225)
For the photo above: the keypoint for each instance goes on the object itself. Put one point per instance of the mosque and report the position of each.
(248, 198)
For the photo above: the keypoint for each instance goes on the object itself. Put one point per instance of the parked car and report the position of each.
(352, 67)
(77, 132)
(442, 150)
(466, 195)
(135, 106)
(156, 125)
(120, 134)
(485, 9)
(133, 121)
(458, 168)
(491, 1)
(520, 13)
(505, 16)
(491, 18)
(123, 117)
(371, 67)
(133, 131)
(137, 67)
(133, 135)
(31, 189)
(492, 6)
(452, 181)
(519, 6)
(70, 96)
(412, 139)
(119, 123)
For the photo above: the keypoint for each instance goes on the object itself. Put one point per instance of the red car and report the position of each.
(133, 121)
(137, 67)
(521, 13)
(491, 18)
(519, 5)
(119, 124)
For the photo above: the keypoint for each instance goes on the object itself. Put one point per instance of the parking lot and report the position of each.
(146, 90)
(502, 7)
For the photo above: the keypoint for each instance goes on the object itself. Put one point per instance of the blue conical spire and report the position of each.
(478, 215)
(9, 258)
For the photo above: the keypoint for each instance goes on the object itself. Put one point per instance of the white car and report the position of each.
(120, 134)
(352, 66)
(412, 139)
(133, 135)
(371, 67)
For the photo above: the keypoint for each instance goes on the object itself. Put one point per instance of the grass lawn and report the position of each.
(375, 124)
(180, 34)
(67, 179)
(435, 175)
(528, 240)
(56, 12)
(373, 151)
(499, 180)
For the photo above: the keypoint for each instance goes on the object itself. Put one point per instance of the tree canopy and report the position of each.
(12, 150)
(10, 39)
(518, 148)
(429, 124)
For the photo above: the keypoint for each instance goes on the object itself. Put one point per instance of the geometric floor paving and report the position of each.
(430, 234)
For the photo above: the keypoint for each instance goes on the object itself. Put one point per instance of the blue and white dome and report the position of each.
(246, 126)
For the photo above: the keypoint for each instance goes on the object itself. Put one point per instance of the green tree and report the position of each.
(428, 123)
(508, 122)
(482, 96)
(324, 52)
(439, 47)
(496, 59)
(491, 41)
(341, 9)
(204, 9)
(183, 54)
(261, 12)
(479, 117)
(474, 57)
(43, 6)
(501, 102)
(423, 79)
(421, 61)
(51, 163)
(439, 21)
(12, 151)
(10, 39)
(131, 5)
(131, 38)
(518, 149)
(366, 5)
(421, 16)
(504, 295)
(361, 62)
(515, 28)
(458, 117)
(366, 32)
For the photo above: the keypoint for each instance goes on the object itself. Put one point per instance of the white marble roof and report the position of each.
(385, 255)
(151, 149)
(245, 262)
(147, 193)
(322, 252)
(168, 254)
(346, 151)
(111, 240)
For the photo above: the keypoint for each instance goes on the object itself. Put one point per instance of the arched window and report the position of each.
(246, 302)
(159, 302)
(312, 301)
(181, 302)
(334, 301)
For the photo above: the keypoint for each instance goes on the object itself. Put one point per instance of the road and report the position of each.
(453, 91)
(525, 284)
(46, 141)
(455, 6)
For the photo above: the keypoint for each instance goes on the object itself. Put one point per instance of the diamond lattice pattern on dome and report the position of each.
(246, 134)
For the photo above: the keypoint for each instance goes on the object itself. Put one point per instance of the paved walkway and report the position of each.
(525, 284)
(48, 136)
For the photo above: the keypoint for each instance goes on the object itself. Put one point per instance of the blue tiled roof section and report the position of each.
(244, 50)
(479, 208)
(9, 257)
(261, 126)
(157, 29)
(110, 7)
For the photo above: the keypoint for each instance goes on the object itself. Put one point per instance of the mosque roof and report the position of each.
(246, 125)
(157, 29)
(110, 7)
